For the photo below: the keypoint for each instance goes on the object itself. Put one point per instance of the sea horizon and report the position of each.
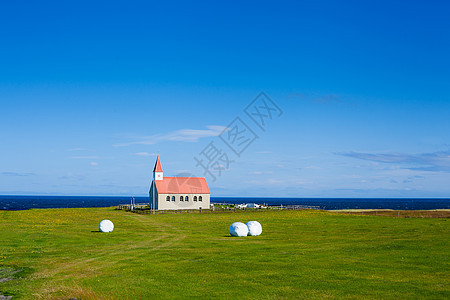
(23, 202)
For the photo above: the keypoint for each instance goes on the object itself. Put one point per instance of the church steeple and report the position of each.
(157, 170)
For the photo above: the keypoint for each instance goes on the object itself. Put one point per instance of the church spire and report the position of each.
(157, 170)
(157, 166)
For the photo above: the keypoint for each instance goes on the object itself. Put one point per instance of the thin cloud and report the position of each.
(79, 149)
(327, 99)
(17, 174)
(317, 97)
(85, 157)
(93, 163)
(182, 135)
(270, 181)
(313, 167)
(72, 176)
(435, 162)
(260, 172)
(144, 154)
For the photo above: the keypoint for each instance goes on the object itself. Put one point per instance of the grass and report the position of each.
(300, 254)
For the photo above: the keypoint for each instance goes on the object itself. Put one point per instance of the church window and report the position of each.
(181, 198)
(195, 198)
(186, 198)
(200, 198)
(173, 198)
(168, 198)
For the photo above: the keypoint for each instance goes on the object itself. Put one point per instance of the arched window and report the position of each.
(168, 198)
(186, 198)
(173, 198)
(181, 198)
(200, 198)
(195, 198)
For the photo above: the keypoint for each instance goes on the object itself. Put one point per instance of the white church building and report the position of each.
(171, 193)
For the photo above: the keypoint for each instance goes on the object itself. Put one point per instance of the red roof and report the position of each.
(157, 167)
(182, 185)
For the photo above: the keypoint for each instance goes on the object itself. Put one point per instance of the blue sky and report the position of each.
(91, 92)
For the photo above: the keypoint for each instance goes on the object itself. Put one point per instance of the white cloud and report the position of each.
(271, 181)
(144, 154)
(182, 135)
(274, 181)
(260, 172)
(93, 163)
(313, 168)
(434, 162)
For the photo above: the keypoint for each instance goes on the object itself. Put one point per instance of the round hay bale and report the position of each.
(238, 229)
(106, 226)
(254, 228)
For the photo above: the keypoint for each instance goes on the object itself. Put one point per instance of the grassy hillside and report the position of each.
(308, 254)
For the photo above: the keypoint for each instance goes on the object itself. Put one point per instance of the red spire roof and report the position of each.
(157, 166)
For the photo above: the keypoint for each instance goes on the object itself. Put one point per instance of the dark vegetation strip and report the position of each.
(375, 212)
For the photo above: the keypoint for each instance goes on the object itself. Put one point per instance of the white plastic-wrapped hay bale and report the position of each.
(106, 226)
(254, 228)
(238, 229)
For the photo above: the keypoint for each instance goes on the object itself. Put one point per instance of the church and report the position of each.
(171, 193)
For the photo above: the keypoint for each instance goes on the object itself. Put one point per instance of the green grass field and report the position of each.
(300, 254)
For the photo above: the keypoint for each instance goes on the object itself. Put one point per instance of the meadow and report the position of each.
(59, 254)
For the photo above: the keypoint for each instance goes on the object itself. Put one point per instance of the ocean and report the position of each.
(29, 202)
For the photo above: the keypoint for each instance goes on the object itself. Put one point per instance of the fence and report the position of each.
(144, 209)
